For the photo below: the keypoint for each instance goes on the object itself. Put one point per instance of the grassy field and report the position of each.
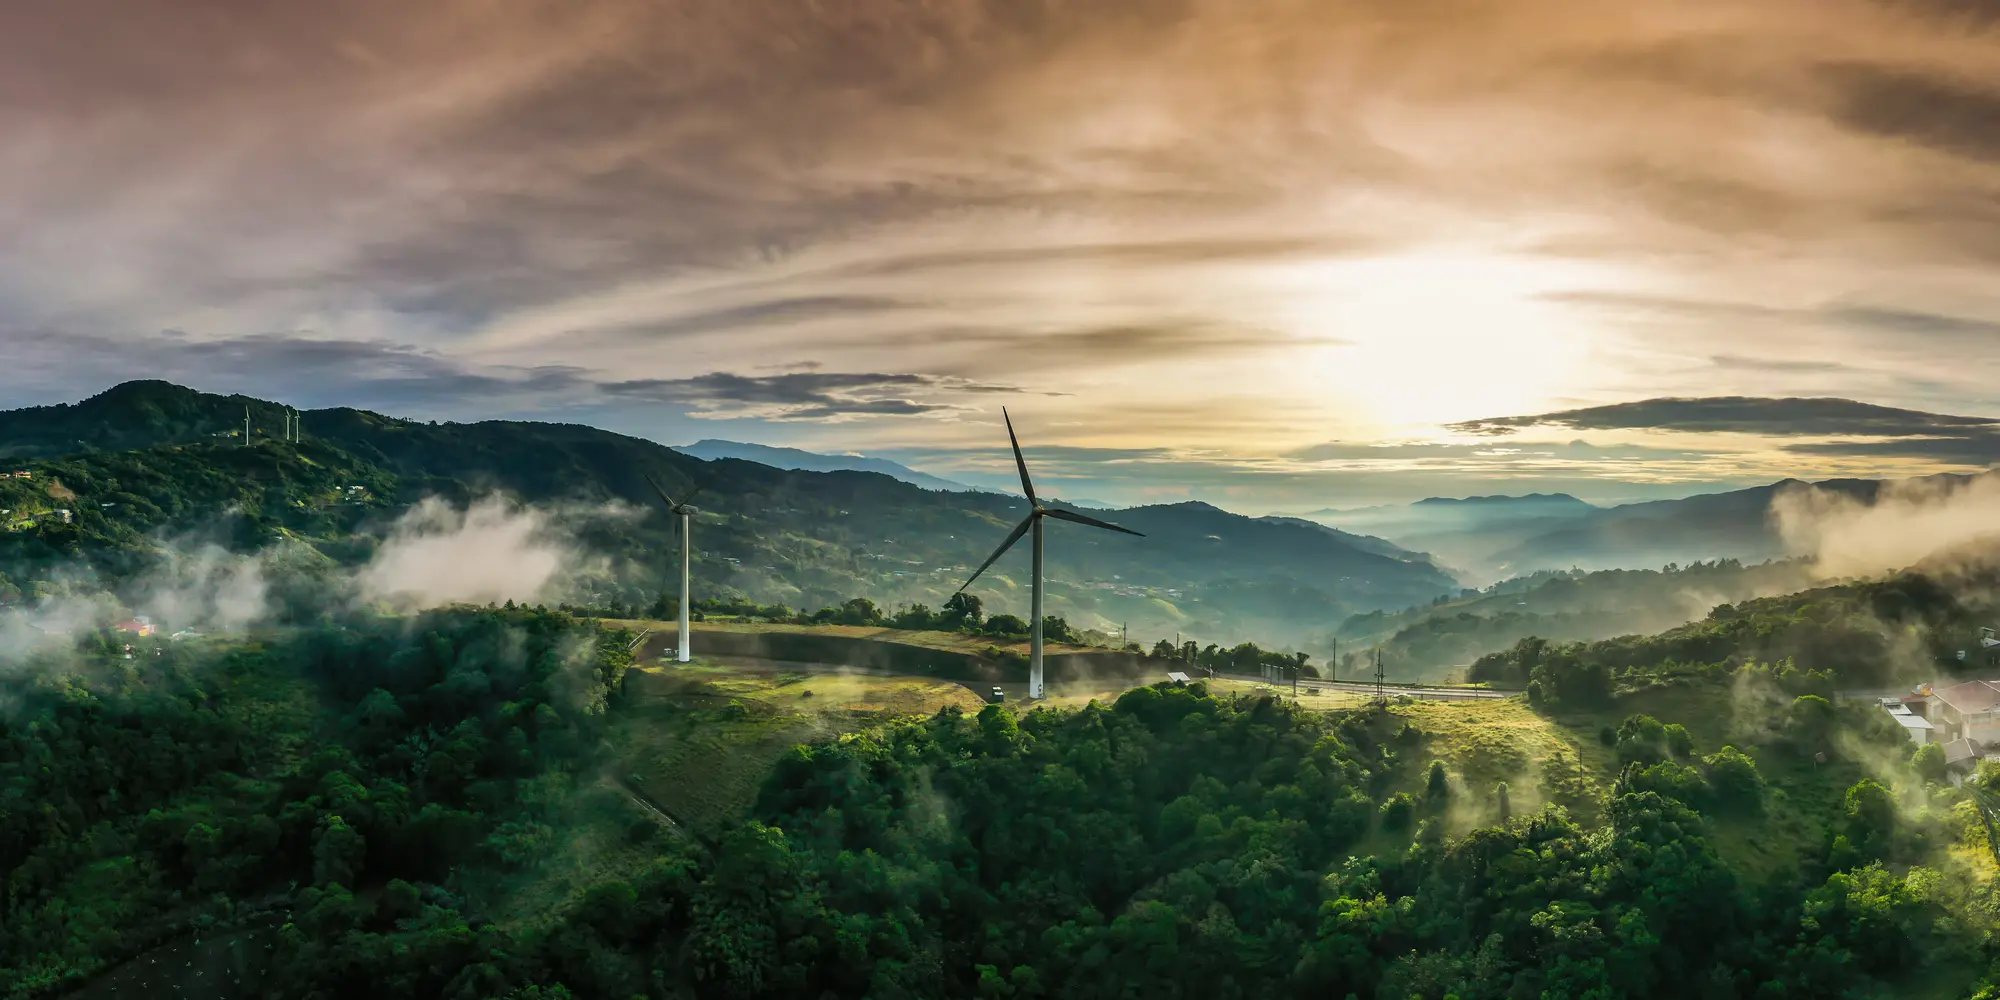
(697, 740)
(947, 642)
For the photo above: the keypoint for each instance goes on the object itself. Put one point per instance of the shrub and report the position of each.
(1679, 743)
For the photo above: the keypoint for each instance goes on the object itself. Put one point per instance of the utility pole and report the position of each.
(1379, 694)
(246, 426)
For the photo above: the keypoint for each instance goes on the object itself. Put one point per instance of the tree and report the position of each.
(1734, 777)
(1679, 742)
(1810, 721)
(1929, 762)
(1437, 788)
(1163, 650)
(1869, 818)
(1505, 803)
(1398, 811)
(961, 611)
(1641, 739)
(338, 852)
(1056, 629)
(1006, 625)
(858, 611)
(916, 616)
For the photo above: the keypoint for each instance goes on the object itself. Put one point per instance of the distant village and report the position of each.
(1963, 718)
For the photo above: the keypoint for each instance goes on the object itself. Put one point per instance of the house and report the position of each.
(1916, 727)
(1967, 711)
(1177, 677)
(1961, 756)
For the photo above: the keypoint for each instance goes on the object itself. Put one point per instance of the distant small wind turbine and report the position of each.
(1033, 523)
(686, 514)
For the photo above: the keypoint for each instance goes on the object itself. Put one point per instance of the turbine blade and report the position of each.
(1019, 530)
(1069, 515)
(1019, 462)
(663, 493)
(698, 487)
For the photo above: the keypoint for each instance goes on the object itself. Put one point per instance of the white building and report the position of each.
(1966, 711)
(1916, 727)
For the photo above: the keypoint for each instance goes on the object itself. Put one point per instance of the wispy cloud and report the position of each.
(810, 395)
(1741, 415)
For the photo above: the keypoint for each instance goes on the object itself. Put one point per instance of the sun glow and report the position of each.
(1429, 338)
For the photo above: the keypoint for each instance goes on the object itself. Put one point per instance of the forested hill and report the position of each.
(151, 457)
(1915, 626)
(430, 808)
(1427, 643)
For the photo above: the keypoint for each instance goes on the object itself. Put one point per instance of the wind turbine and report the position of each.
(686, 513)
(1033, 523)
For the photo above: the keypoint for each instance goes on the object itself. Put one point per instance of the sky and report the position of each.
(1274, 254)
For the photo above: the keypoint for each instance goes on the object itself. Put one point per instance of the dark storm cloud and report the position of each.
(811, 395)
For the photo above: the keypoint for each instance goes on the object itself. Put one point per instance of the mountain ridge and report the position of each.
(168, 459)
(799, 459)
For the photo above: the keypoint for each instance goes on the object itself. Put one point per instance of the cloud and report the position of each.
(1788, 365)
(771, 312)
(1908, 522)
(1346, 451)
(1926, 108)
(492, 551)
(1741, 415)
(805, 395)
(497, 207)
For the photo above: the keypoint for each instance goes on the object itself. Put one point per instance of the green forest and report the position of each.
(349, 809)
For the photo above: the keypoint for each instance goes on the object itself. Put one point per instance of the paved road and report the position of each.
(1392, 690)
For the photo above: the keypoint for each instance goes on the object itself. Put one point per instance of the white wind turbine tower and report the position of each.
(686, 514)
(1033, 523)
